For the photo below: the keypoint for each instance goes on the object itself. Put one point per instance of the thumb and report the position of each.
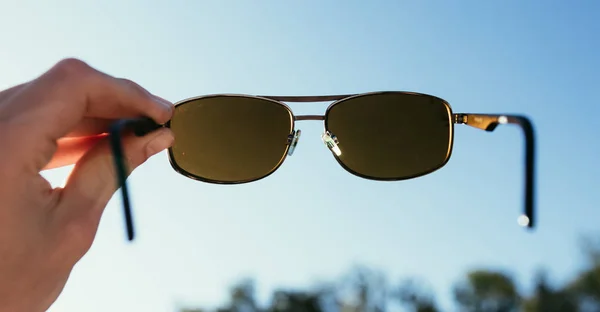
(93, 180)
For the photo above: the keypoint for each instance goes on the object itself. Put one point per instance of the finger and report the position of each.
(10, 91)
(5, 95)
(70, 150)
(59, 99)
(93, 180)
(90, 127)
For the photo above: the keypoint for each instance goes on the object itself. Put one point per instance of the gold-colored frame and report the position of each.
(487, 122)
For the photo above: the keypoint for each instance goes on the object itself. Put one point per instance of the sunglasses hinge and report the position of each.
(461, 118)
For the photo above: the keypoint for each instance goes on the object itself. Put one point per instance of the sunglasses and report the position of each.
(384, 136)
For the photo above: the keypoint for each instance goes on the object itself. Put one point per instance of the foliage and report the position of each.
(487, 291)
(367, 290)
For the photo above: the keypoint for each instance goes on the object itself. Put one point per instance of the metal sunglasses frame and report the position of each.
(488, 122)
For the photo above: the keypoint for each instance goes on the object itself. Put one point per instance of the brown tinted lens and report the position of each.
(230, 139)
(392, 135)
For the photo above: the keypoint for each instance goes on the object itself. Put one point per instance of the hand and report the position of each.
(59, 119)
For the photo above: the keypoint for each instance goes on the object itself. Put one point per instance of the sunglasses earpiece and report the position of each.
(144, 126)
(140, 127)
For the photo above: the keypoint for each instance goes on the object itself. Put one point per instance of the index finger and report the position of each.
(58, 100)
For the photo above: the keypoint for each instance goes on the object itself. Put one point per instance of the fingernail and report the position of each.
(168, 105)
(160, 142)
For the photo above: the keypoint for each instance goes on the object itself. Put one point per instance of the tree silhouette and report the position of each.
(548, 299)
(295, 301)
(362, 290)
(487, 291)
(367, 290)
(584, 289)
(415, 297)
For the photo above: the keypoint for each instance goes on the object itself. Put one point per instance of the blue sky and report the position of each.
(311, 220)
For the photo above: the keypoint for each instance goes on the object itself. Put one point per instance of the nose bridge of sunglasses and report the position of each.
(293, 141)
(295, 136)
(309, 117)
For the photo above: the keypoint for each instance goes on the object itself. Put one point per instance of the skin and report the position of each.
(58, 119)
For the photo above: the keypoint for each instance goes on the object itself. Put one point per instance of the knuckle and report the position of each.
(78, 234)
(134, 87)
(134, 154)
(135, 157)
(76, 225)
(128, 82)
(71, 68)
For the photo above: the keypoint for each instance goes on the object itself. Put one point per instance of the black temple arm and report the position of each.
(489, 123)
(140, 127)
